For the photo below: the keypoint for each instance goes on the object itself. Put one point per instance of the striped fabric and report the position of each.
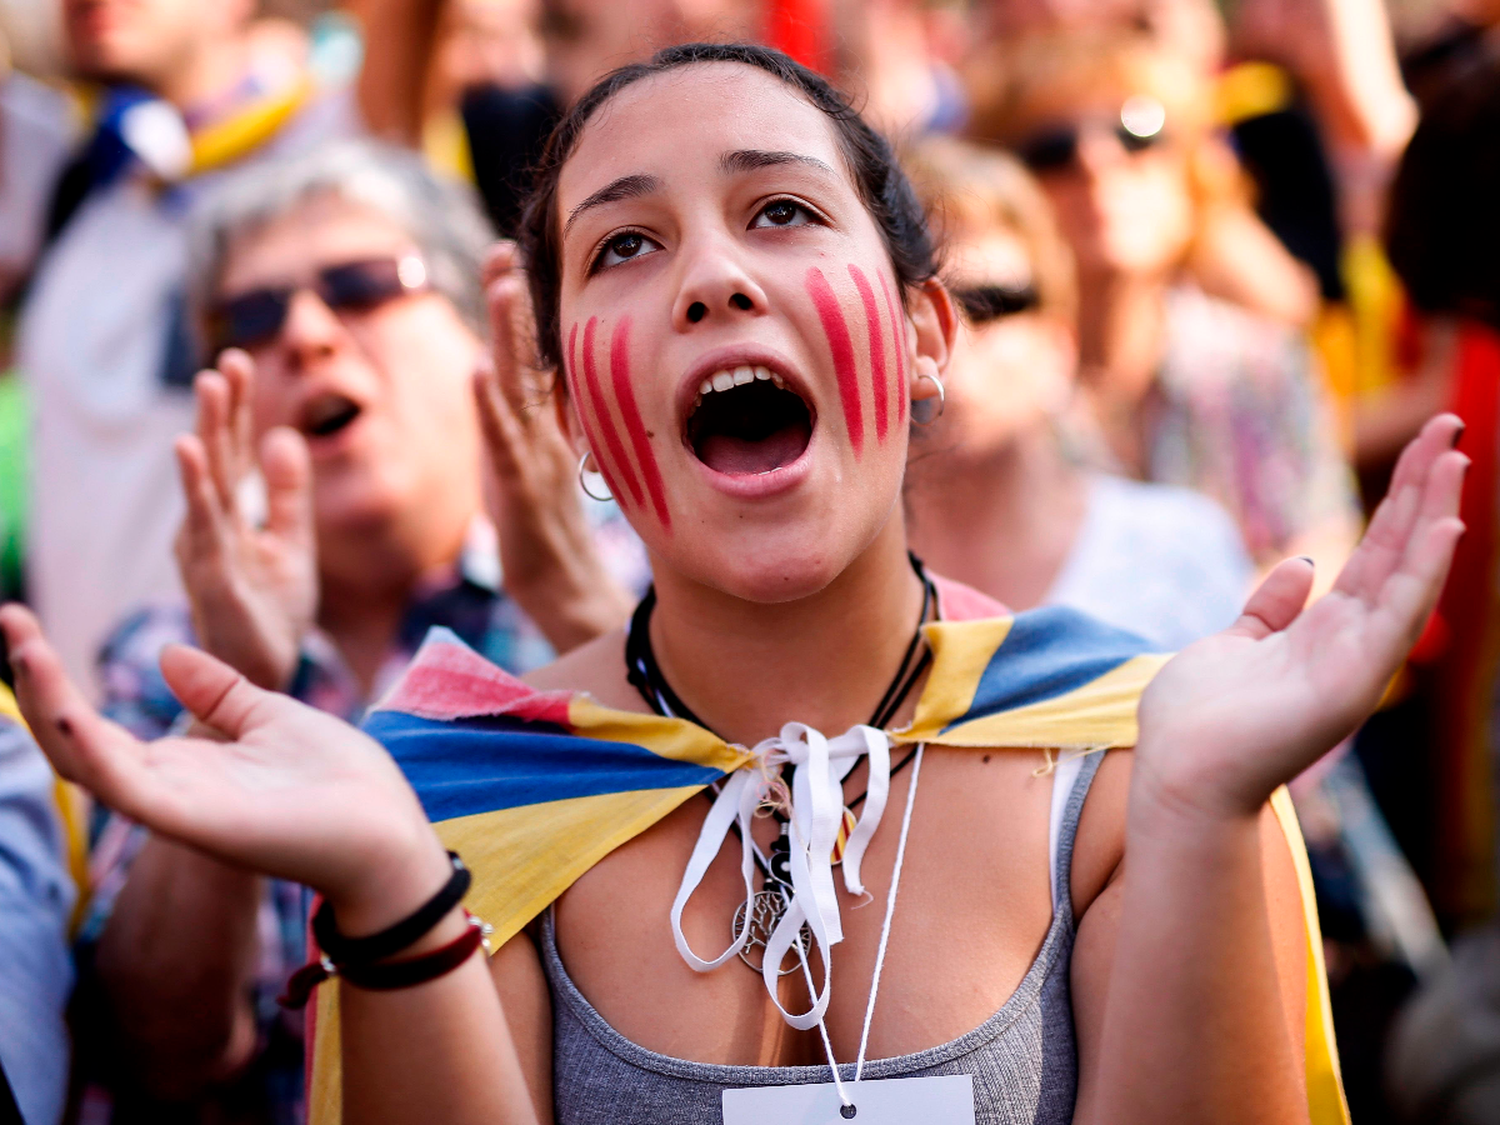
(534, 788)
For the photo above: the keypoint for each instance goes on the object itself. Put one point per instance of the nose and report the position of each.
(1099, 151)
(311, 334)
(715, 285)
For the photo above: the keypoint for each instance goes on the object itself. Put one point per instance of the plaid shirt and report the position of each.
(470, 601)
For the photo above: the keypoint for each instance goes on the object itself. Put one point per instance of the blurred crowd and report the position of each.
(1217, 262)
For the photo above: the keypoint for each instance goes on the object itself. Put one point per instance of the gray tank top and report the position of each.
(1023, 1059)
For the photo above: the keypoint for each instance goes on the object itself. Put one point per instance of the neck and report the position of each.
(208, 73)
(1002, 519)
(824, 660)
(366, 582)
(1121, 337)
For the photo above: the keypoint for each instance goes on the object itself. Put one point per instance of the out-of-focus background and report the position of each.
(1218, 260)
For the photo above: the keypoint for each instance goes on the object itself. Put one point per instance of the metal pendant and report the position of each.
(767, 907)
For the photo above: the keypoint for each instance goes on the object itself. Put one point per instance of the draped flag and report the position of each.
(534, 788)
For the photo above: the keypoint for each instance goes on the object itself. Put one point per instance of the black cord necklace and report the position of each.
(645, 674)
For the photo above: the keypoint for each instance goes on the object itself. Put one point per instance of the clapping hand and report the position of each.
(253, 588)
(547, 549)
(1237, 714)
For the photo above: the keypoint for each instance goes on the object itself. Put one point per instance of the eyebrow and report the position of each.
(750, 159)
(626, 187)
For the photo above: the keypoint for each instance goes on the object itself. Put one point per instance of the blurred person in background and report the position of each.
(992, 498)
(186, 88)
(1181, 386)
(348, 281)
(36, 901)
(1443, 237)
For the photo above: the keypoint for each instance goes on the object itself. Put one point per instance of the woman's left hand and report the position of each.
(1239, 713)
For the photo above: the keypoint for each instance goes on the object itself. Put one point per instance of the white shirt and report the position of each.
(1165, 563)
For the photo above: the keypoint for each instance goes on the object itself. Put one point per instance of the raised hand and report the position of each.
(253, 588)
(275, 786)
(1237, 714)
(547, 550)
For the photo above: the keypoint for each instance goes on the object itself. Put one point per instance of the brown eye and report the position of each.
(782, 213)
(624, 247)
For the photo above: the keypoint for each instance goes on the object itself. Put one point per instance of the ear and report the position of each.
(934, 322)
(567, 416)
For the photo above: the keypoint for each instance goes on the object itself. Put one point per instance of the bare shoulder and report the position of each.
(597, 667)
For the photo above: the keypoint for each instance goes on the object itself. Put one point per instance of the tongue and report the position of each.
(732, 455)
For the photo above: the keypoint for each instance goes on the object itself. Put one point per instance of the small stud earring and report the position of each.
(583, 482)
(924, 412)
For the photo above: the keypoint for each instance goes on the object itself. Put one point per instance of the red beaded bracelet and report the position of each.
(390, 975)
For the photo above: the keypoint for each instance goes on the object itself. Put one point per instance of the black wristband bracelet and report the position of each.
(343, 950)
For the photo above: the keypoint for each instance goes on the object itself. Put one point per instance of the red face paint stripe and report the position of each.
(619, 370)
(612, 440)
(583, 415)
(898, 337)
(837, 331)
(877, 350)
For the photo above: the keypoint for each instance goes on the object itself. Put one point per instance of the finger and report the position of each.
(287, 468)
(1410, 593)
(502, 297)
(238, 370)
(1277, 600)
(500, 259)
(202, 534)
(1380, 551)
(215, 693)
(503, 436)
(84, 747)
(212, 391)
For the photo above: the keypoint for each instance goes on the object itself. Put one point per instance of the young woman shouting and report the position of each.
(711, 216)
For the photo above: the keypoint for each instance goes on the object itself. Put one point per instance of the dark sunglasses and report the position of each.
(255, 318)
(983, 304)
(1139, 127)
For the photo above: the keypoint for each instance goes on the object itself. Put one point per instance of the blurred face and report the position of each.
(1117, 178)
(733, 337)
(1012, 365)
(588, 38)
(144, 41)
(380, 389)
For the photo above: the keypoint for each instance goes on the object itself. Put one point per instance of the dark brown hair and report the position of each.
(882, 185)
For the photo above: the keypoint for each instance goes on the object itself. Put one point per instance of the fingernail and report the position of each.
(1458, 434)
(1308, 560)
(65, 725)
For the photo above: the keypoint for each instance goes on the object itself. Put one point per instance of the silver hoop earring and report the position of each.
(583, 482)
(925, 412)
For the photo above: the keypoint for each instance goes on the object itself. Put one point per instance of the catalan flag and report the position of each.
(533, 788)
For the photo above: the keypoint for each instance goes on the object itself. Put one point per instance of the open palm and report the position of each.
(1237, 714)
(268, 783)
(253, 587)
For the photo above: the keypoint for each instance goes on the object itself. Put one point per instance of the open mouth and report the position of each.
(327, 414)
(746, 421)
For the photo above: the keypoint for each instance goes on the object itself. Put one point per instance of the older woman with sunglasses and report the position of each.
(993, 497)
(1184, 387)
(342, 294)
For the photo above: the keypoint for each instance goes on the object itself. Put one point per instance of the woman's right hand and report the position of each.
(253, 589)
(274, 786)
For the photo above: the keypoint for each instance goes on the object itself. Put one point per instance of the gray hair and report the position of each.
(440, 216)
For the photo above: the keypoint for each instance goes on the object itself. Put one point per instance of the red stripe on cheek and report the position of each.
(589, 432)
(837, 331)
(619, 370)
(612, 440)
(898, 336)
(877, 351)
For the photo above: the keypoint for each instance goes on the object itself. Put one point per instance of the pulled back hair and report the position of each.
(1443, 228)
(882, 186)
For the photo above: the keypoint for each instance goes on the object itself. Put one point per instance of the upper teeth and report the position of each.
(736, 377)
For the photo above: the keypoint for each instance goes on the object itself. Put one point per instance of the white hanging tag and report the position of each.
(943, 1100)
